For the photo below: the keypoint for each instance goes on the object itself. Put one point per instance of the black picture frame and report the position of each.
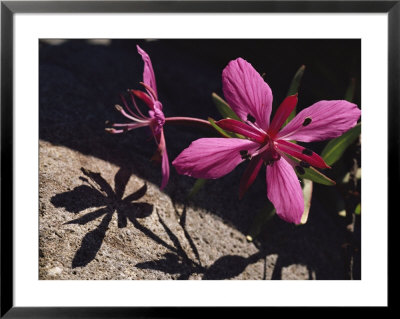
(9, 8)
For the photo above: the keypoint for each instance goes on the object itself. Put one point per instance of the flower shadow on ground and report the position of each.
(177, 261)
(96, 192)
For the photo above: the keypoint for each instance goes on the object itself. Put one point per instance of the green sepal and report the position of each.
(223, 108)
(220, 130)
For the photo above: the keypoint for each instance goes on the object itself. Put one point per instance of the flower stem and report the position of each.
(191, 121)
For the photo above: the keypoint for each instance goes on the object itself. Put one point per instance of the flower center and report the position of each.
(157, 116)
(270, 155)
(267, 151)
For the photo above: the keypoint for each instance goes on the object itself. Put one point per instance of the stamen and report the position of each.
(135, 105)
(304, 164)
(307, 121)
(257, 128)
(126, 105)
(131, 117)
(245, 154)
(307, 151)
(132, 125)
(251, 118)
(112, 130)
(300, 170)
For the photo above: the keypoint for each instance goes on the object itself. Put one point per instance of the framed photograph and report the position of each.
(163, 155)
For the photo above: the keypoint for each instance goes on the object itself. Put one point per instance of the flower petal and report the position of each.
(282, 113)
(212, 157)
(241, 128)
(246, 92)
(148, 72)
(322, 120)
(301, 153)
(164, 161)
(284, 191)
(250, 174)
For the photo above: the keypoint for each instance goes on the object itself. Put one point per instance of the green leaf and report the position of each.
(294, 88)
(262, 217)
(336, 147)
(295, 84)
(307, 195)
(220, 130)
(357, 211)
(198, 185)
(313, 175)
(316, 176)
(349, 95)
(223, 108)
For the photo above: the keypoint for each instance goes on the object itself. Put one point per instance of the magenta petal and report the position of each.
(329, 119)
(148, 72)
(164, 161)
(284, 191)
(212, 157)
(246, 92)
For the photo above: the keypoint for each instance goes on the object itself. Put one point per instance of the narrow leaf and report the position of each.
(294, 88)
(357, 211)
(336, 147)
(262, 217)
(295, 84)
(349, 95)
(198, 185)
(307, 194)
(223, 108)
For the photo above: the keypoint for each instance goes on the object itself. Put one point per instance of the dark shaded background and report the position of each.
(80, 82)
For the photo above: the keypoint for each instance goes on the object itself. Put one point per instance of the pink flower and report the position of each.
(265, 142)
(155, 119)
